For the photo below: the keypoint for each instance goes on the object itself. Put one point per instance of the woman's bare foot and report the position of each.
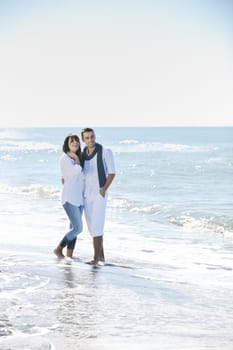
(58, 252)
(69, 253)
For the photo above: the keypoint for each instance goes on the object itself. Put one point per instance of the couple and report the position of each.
(86, 177)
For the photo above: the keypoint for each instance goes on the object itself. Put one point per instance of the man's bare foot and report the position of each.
(94, 263)
(58, 253)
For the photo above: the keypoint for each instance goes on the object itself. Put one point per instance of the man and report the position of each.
(99, 172)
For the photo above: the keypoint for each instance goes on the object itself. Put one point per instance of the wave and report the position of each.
(124, 146)
(131, 146)
(26, 146)
(35, 190)
(165, 214)
(154, 212)
(129, 142)
(135, 207)
(203, 224)
(12, 134)
(151, 209)
(8, 157)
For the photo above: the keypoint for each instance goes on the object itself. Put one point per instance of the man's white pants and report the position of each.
(94, 209)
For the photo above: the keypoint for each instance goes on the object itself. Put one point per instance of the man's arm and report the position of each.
(107, 184)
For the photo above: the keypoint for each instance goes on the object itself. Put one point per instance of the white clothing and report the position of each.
(94, 202)
(91, 179)
(94, 209)
(73, 187)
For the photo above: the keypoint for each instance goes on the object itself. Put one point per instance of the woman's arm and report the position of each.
(69, 167)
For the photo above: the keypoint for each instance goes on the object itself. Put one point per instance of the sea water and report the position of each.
(168, 282)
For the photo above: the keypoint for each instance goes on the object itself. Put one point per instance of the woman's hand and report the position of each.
(74, 157)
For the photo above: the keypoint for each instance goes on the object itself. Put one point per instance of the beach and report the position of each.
(168, 278)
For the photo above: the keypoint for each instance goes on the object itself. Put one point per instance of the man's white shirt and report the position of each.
(91, 180)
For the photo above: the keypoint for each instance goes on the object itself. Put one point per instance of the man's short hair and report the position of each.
(86, 130)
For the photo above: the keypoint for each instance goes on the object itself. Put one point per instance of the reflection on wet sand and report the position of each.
(79, 307)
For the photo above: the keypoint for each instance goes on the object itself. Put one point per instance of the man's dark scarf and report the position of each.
(100, 164)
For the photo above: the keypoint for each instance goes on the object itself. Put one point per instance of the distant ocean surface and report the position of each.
(169, 231)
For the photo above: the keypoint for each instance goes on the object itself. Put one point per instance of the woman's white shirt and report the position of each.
(73, 187)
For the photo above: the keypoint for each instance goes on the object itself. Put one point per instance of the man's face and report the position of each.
(89, 139)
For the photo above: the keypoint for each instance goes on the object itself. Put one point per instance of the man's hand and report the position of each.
(107, 184)
(102, 192)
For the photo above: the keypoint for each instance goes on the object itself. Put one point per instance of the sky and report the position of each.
(116, 63)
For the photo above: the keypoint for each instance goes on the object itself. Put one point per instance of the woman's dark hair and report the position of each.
(66, 148)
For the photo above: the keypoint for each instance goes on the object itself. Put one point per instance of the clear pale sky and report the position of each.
(116, 63)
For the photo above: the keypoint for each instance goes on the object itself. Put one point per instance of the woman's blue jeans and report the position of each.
(74, 214)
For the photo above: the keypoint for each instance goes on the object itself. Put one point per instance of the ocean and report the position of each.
(168, 282)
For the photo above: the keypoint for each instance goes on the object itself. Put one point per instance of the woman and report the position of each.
(72, 192)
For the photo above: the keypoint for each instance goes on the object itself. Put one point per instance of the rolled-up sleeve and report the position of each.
(109, 161)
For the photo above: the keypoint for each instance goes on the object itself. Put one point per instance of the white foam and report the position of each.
(202, 224)
(129, 142)
(34, 331)
(118, 203)
(36, 190)
(151, 209)
(27, 146)
(132, 147)
(9, 157)
(9, 134)
(218, 160)
(136, 207)
(11, 283)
